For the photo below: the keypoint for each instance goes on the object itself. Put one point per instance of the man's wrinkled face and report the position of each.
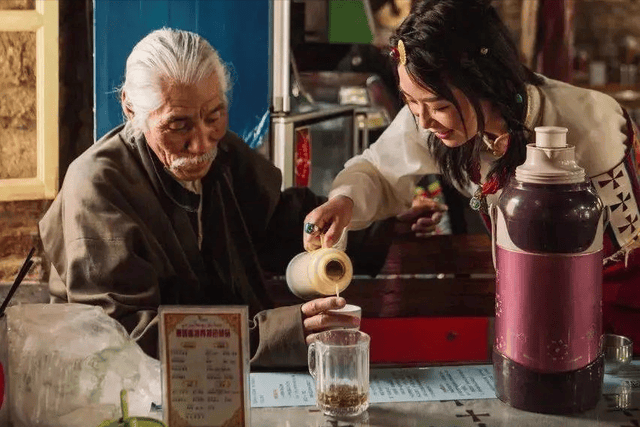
(184, 132)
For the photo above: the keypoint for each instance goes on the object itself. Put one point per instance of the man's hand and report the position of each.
(325, 224)
(316, 317)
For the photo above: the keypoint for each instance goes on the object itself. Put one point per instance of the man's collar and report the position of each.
(193, 186)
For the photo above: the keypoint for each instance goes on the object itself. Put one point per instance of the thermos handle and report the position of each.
(494, 217)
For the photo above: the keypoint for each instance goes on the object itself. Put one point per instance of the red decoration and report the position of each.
(494, 183)
(393, 53)
(491, 186)
(303, 158)
(479, 200)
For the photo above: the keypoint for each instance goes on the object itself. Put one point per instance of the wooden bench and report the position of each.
(433, 300)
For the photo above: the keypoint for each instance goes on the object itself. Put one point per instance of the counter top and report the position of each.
(618, 407)
(456, 413)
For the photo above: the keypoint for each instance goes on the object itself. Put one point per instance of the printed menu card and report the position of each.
(205, 365)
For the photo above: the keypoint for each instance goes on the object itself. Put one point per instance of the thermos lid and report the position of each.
(550, 160)
(551, 137)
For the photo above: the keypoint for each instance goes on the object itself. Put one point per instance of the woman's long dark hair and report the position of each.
(463, 43)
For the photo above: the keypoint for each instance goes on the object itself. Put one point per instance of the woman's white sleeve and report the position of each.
(381, 180)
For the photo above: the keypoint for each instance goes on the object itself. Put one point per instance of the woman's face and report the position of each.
(438, 115)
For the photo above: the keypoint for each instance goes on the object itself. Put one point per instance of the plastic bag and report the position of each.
(68, 364)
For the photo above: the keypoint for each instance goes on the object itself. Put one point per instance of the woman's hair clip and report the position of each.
(484, 50)
(402, 53)
(398, 53)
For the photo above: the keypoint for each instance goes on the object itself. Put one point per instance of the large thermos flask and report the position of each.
(548, 252)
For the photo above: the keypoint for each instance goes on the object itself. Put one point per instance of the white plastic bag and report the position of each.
(68, 363)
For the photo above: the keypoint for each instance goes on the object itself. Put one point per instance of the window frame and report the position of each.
(44, 20)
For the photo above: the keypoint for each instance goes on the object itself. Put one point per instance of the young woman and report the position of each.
(471, 108)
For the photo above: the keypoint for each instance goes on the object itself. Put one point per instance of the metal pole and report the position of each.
(281, 55)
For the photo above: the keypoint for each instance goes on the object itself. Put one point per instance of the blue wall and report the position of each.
(238, 29)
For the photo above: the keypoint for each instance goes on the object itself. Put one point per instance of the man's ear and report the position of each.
(125, 106)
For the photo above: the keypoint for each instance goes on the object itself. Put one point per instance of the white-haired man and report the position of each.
(173, 208)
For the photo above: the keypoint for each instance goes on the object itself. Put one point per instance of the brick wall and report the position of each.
(19, 220)
(18, 105)
(17, 4)
(18, 233)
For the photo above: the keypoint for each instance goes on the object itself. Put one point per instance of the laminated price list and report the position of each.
(203, 369)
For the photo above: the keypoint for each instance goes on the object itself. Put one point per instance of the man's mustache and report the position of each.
(192, 161)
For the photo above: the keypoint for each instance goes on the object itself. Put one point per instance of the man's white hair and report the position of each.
(167, 54)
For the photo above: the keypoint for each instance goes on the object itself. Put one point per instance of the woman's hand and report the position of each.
(316, 318)
(423, 215)
(325, 224)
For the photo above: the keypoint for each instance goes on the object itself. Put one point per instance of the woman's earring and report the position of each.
(501, 145)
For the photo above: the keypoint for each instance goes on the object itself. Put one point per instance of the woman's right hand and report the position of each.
(330, 220)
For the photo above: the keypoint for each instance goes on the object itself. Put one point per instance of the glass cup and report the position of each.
(618, 351)
(339, 363)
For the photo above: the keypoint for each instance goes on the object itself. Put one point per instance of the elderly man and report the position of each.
(173, 208)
